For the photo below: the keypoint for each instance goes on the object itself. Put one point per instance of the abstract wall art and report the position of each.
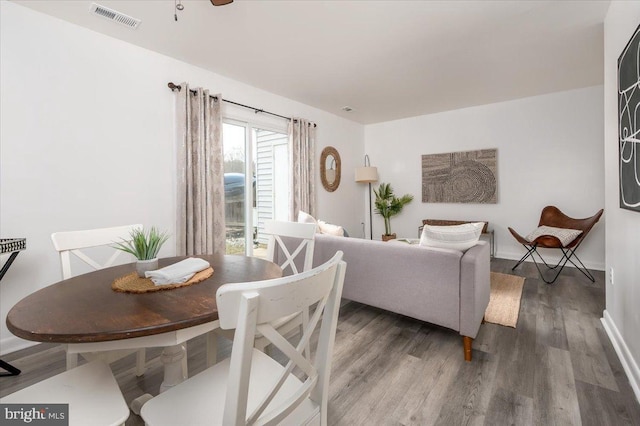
(629, 123)
(460, 177)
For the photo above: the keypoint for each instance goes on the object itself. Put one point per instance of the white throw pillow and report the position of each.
(456, 237)
(327, 228)
(565, 235)
(304, 217)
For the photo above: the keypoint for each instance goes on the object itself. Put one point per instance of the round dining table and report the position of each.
(87, 315)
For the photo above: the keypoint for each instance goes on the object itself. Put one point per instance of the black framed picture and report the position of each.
(629, 123)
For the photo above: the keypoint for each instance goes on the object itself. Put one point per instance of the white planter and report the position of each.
(143, 266)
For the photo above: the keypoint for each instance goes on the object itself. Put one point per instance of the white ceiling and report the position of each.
(385, 59)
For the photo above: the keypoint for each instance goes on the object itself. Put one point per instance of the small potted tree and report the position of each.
(388, 205)
(144, 245)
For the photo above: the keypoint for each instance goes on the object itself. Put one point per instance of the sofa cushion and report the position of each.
(322, 227)
(457, 237)
(327, 228)
(565, 235)
(304, 217)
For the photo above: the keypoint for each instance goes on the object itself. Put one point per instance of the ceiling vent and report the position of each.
(115, 16)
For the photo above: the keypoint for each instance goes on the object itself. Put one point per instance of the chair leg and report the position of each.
(141, 360)
(530, 251)
(184, 365)
(581, 268)
(212, 348)
(567, 255)
(72, 361)
(561, 263)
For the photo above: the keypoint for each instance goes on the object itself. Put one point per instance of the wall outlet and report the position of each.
(611, 275)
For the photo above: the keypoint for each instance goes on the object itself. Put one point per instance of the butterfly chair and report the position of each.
(74, 242)
(250, 387)
(90, 390)
(557, 231)
(291, 246)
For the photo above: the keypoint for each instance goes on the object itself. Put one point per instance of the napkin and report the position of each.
(178, 272)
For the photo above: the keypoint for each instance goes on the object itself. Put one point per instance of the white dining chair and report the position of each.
(91, 391)
(290, 245)
(250, 387)
(76, 243)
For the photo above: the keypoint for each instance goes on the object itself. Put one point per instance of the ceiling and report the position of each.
(385, 59)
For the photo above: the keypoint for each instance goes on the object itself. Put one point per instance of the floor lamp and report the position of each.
(368, 174)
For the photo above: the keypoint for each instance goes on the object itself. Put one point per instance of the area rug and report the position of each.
(504, 302)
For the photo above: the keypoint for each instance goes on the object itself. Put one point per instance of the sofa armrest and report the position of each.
(475, 287)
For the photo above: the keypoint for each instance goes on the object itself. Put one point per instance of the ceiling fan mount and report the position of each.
(220, 2)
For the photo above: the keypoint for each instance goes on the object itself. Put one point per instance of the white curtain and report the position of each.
(302, 139)
(200, 216)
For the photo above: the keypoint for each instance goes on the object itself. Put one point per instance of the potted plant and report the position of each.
(145, 247)
(388, 205)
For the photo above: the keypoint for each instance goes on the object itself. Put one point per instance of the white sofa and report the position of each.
(440, 286)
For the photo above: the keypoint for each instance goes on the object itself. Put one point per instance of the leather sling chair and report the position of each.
(557, 231)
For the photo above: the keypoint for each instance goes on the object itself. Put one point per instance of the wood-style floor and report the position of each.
(557, 367)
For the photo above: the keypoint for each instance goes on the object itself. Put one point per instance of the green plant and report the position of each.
(388, 205)
(143, 245)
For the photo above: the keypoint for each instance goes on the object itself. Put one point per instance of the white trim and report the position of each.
(626, 359)
(12, 344)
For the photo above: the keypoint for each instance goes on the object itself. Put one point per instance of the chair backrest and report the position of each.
(74, 242)
(552, 216)
(251, 307)
(301, 233)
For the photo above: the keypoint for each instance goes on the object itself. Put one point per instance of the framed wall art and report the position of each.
(460, 177)
(629, 123)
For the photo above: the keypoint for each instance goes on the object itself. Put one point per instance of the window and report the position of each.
(256, 174)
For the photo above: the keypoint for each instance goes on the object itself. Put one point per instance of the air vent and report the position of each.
(115, 16)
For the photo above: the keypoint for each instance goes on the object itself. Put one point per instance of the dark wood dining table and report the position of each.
(84, 312)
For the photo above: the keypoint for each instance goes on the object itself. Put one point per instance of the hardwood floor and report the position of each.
(557, 367)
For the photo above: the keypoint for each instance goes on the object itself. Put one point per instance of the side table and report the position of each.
(13, 246)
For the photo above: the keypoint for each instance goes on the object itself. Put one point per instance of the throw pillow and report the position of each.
(456, 237)
(565, 235)
(327, 228)
(304, 217)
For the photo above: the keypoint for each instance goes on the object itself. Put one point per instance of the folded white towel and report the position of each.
(178, 272)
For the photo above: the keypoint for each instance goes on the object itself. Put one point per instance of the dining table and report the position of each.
(87, 315)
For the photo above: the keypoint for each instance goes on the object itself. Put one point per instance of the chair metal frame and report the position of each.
(553, 217)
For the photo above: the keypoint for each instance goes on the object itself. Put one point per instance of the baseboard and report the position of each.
(628, 363)
(13, 343)
(516, 256)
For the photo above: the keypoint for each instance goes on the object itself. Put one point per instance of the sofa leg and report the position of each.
(466, 343)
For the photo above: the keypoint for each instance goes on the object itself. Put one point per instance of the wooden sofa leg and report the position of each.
(466, 343)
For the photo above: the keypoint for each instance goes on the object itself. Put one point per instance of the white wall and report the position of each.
(87, 140)
(549, 153)
(622, 317)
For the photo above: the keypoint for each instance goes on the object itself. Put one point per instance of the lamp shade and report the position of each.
(366, 174)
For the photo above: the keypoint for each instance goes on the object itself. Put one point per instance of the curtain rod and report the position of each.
(177, 87)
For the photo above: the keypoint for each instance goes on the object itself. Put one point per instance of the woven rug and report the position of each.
(504, 302)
